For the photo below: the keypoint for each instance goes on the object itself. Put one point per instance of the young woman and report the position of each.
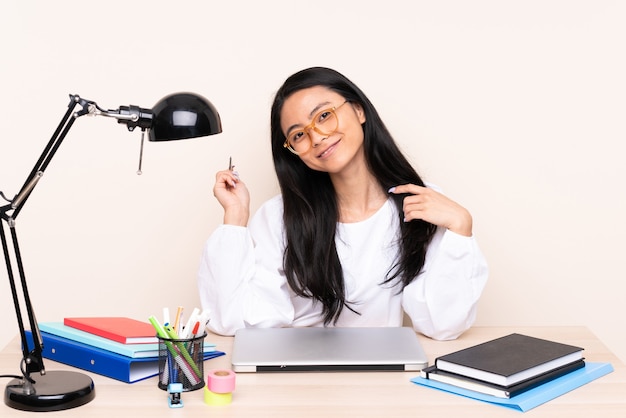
(354, 239)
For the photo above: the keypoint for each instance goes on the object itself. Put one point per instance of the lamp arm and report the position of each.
(132, 117)
(32, 359)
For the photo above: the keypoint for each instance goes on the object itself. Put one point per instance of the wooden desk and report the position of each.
(321, 395)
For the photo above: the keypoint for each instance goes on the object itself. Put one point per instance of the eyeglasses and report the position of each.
(324, 122)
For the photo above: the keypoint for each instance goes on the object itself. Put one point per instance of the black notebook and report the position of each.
(433, 373)
(510, 359)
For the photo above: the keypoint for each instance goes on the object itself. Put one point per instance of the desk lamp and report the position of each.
(177, 116)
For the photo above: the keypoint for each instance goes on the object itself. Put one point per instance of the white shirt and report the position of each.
(242, 282)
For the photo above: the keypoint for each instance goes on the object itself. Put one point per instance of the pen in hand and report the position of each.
(231, 168)
(233, 195)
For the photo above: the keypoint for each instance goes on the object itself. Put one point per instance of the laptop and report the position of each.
(327, 349)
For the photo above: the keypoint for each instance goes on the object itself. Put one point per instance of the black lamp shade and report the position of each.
(182, 116)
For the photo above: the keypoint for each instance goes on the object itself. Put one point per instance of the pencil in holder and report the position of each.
(181, 361)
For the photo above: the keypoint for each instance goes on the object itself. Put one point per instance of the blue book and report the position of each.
(534, 397)
(100, 361)
(128, 350)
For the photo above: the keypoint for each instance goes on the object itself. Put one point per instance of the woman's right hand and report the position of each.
(234, 197)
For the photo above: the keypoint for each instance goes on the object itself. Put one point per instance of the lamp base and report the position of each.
(53, 391)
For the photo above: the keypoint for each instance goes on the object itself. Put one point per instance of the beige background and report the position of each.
(515, 108)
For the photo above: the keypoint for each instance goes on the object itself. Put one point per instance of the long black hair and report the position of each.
(311, 263)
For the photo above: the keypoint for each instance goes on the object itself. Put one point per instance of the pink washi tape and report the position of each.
(220, 381)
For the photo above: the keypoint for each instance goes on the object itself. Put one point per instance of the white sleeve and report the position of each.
(241, 280)
(442, 300)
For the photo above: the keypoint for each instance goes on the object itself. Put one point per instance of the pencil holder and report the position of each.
(181, 361)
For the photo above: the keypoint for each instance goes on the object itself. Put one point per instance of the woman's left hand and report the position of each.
(431, 206)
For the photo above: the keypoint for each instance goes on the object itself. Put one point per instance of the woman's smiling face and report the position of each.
(327, 152)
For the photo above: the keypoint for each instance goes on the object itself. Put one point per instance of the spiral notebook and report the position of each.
(327, 349)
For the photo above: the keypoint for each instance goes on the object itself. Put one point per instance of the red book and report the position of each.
(121, 329)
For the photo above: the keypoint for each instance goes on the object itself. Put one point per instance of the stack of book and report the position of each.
(121, 348)
(512, 367)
